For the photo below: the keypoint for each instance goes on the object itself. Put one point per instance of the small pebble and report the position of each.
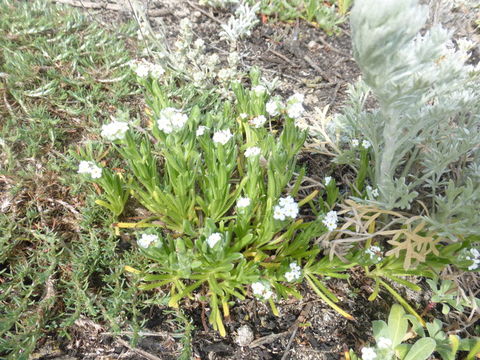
(244, 336)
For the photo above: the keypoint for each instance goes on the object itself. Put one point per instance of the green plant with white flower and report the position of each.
(394, 340)
(213, 178)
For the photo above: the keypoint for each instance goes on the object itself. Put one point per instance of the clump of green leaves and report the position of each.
(327, 15)
(394, 340)
(446, 292)
(213, 177)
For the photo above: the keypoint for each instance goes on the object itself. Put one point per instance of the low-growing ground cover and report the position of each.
(210, 195)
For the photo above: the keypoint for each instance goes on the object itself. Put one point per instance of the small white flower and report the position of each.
(258, 121)
(295, 272)
(273, 107)
(90, 168)
(252, 151)
(2, 142)
(287, 207)
(115, 130)
(295, 110)
(296, 98)
(354, 142)
(327, 180)
(262, 290)
(146, 240)
(259, 90)
(267, 294)
(222, 136)
(475, 257)
(278, 213)
(330, 220)
(144, 68)
(243, 202)
(213, 239)
(375, 193)
(368, 354)
(243, 116)
(258, 288)
(201, 130)
(171, 120)
(295, 106)
(286, 201)
(375, 253)
(384, 343)
(156, 70)
(366, 144)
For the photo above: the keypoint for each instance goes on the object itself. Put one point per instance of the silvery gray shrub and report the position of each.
(424, 129)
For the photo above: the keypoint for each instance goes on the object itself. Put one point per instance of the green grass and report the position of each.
(327, 15)
(61, 76)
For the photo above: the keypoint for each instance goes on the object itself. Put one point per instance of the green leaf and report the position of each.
(475, 349)
(397, 325)
(422, 349)
(380, 328)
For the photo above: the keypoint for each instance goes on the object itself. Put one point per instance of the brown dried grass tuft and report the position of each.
(402, 231)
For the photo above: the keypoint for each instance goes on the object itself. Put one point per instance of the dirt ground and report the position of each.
(306, 60)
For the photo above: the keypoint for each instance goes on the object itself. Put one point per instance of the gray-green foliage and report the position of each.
(393, 339)
(424, 132)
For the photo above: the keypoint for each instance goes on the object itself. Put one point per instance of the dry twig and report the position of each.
(138, 351)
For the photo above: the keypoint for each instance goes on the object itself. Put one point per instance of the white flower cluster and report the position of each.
(365, 143)
(295, 272)
(201, 130)
(368, 353)
(252, 151)
(146, 240)
(286, 208)
(90, 168)
(295, 107)
(143, 68)
(213, 239)
(243, 202)
(115, 130)
(274, 106)
(262, 290)
(373, 192)
(258, 122)
(384, 343)
(475, 257)
(327, 179)
(374, 252)
(222, 136)
(330, 220)
(171, 120)
(259, 90)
